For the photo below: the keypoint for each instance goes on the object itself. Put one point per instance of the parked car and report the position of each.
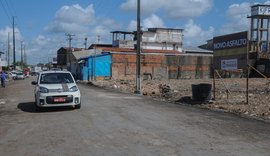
(33, 73)
(19, 76)
(12, 75)
(56, 88)
(57, 69)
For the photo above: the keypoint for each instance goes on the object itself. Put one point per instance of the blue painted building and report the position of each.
(96, 66)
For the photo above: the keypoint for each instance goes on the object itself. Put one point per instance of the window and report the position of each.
(56, 78)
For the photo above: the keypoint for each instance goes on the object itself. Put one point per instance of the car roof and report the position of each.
(53, 71)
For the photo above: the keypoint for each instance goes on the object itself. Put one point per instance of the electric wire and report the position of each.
(12, 11)
(5, 11)
(12, 6)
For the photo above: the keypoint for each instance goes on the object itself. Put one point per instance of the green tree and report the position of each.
(21, 64)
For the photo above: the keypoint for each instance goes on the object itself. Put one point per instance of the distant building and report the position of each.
(152, 38)
(163, 39)
(208, 46)
(162, 57)
(65, 57)
(120, 63)
(123, 39)
(1, 64)
(197, 51)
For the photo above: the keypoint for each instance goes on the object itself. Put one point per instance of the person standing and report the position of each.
(3, 79)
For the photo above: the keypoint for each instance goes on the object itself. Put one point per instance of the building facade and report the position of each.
(163, 39)
(152, 38)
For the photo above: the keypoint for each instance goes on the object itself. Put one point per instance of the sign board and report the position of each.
(260, 10)
(230, 51)
(237, 40)
(229, 64)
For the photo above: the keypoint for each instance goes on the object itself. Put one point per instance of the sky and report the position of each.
(41, 25)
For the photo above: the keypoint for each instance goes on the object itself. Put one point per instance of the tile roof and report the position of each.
(129, 50)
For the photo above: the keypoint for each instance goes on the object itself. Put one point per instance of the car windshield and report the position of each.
(55, 78)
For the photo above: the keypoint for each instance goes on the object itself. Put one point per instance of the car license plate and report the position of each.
(59, 99)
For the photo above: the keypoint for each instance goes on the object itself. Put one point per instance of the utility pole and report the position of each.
(85, 43)
(14, 53)
(24, 54)
(21, 52)
(95, 58)
(98, 39)
(69, 49)
(138, 49)
(8, 54)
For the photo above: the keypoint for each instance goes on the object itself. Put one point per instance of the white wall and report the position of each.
(163, 39)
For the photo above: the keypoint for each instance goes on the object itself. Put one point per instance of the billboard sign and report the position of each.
(231, 41)
(229, 64)
(230, 51)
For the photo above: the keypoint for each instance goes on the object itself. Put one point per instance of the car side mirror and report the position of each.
(34, 83)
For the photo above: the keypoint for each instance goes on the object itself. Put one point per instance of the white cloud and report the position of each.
(172, 8)
(267, 2)
(76, 14)
(4, 34)
(82, 22)
(73, 19)
(238, 21)
(132, 25)
(153, 22)
(4, 41)
(195, 35)
(43, 47)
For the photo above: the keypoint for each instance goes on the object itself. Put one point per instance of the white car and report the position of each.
(19, 75)
(12, 75)
(56, 88)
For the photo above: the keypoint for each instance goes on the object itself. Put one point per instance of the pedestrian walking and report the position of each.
(3, 79)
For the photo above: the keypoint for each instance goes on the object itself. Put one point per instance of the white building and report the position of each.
(1, 62)
(152, 38)
(163, 39)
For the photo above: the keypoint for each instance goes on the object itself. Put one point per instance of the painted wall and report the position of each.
(99, 66)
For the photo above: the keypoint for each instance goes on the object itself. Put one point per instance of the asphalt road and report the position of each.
(116, 124)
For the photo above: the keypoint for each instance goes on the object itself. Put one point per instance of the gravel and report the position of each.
(230, 94)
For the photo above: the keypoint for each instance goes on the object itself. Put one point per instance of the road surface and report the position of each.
(116, 124)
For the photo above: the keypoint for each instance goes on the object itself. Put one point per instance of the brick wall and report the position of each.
(161, 66)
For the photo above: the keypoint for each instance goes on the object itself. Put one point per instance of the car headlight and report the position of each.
(73, 89)
(43, 90)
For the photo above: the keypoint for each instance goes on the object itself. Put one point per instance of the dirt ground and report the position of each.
(229, 96)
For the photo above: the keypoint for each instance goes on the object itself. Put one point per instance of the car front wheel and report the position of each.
(78, 106)
(37, 108)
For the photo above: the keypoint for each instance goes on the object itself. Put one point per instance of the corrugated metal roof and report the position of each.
(196, 50)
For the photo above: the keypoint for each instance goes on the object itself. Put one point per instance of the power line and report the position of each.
(9, 8)
(12, 6)
(6, 11)
(10, 12)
